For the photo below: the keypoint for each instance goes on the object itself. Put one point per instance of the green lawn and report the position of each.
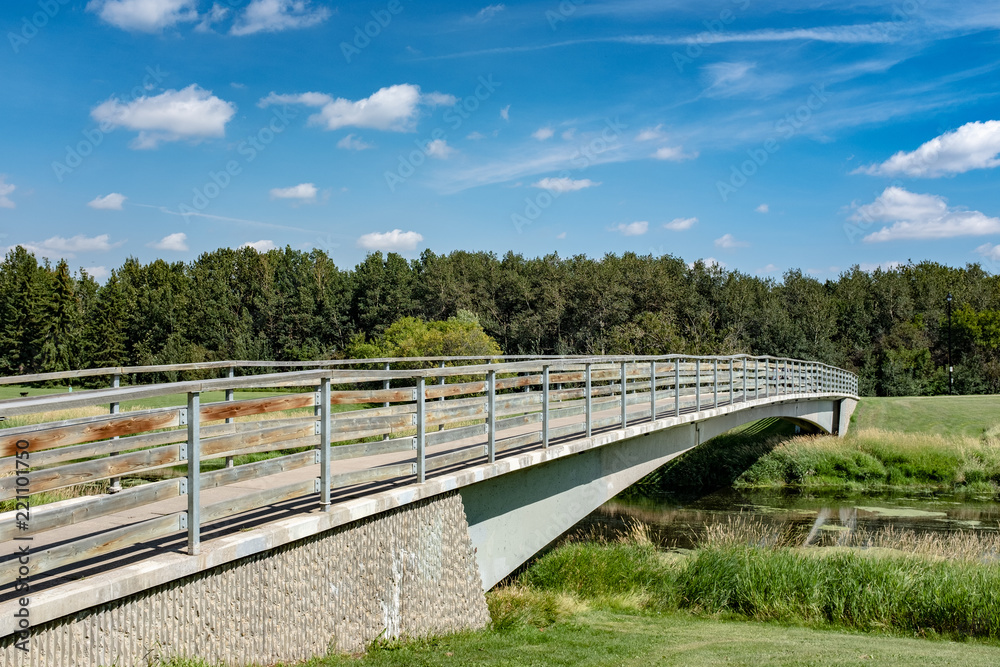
(944, 415)
(624, 638)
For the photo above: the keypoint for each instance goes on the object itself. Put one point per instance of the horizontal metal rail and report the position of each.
(196, 465)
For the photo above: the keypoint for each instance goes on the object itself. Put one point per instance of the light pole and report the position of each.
(951, 369)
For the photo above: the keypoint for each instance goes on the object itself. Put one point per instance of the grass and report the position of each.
(967, 416)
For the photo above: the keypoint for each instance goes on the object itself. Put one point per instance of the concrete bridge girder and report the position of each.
(512, 517)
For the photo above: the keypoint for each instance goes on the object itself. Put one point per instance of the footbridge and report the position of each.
(273, 514)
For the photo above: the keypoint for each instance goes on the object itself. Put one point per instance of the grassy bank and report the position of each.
(940, 442)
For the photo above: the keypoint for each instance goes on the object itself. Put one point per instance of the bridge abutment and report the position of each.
(407, 572)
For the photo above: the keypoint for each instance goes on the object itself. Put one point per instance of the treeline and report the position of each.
(889, 326)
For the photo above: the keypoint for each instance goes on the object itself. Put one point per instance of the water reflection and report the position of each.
(815, 518)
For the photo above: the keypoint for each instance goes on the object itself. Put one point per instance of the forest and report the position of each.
(891, 327)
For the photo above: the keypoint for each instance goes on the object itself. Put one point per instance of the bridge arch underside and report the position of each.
(514, 516)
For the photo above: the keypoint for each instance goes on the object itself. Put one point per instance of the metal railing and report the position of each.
(408, 425)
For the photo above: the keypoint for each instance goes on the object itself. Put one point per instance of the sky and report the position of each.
(762, 135)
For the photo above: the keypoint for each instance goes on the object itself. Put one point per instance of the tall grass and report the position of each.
(923, 585)
(874, 458)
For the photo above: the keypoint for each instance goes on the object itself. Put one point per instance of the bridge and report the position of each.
(284, 513)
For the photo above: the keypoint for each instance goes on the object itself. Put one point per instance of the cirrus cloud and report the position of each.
(394, 241)
(673, 154)
(191, 113)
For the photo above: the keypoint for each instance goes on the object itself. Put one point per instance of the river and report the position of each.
(812, 517)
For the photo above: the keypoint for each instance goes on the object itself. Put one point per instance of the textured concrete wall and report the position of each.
(407, 572)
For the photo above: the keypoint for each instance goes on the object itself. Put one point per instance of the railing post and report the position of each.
(732, 390)
(324, 445)
(386, 386)
(743, 371)
(441, 398)
(677, 388)
(230, 396)
(624, 397)
(194, 472)
(715, 383)
(652, 391)
(697, 385)
(587, 397)
(421, 432)
(116, 482)
(756, 379)
(491, 415)
(545, 406)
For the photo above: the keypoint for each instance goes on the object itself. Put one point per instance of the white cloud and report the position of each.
(475, 136)
(673, 153)
(176, 242)
(261, 246)
(709, 262)
(728, 242)
(395, 241)
(632, 228)
(111, 202)
(569, 134)
(680, 224)
(763, 208)
(727, 78)
(191, 113)
(278, 15)
(393, 108)
(885, 266)
(989, 251)
(352, 143)
(6, 189)
(650, 134)
(921, 216)
(561, 185)
(98, 273)
(505, 112)
(770, 268)
(488, 12)
(144, 15)
(302, 192)
(561, 235)
(972, 146)
(440, 149)
(59, 246)
(543, 133)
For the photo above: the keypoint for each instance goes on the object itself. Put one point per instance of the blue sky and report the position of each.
(761, 135)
